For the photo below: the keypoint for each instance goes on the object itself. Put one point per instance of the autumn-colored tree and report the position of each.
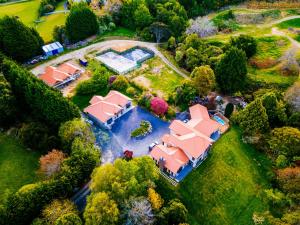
(155, 199)
(51, 163)
(289, 180)
(56, 209)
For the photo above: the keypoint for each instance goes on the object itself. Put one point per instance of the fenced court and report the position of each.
(126, 61)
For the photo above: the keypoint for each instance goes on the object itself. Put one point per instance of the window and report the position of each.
(109, 121)
(128, 104)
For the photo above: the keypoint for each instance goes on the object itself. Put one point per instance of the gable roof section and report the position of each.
(104, 108)
(68, 68)
(201, 122)
(52, 76)
(174, 157)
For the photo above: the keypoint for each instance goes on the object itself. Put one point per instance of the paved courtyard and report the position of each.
(113, 142)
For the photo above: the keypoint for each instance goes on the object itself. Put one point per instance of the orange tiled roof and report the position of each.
(53, 76)
(104, 108)
(174, 157)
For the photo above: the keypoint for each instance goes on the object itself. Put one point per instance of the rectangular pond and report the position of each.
(113, 142)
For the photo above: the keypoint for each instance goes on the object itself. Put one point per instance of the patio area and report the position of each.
(113, 142)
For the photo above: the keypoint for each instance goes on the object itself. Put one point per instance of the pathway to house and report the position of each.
(80, 53)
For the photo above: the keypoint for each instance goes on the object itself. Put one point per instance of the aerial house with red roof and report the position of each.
(188, 143)
(105, 110)
(60, 76)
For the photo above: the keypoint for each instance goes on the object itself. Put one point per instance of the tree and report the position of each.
(231, 71)
(8, 104)
(56, 209)
(125, 178)
(36, 136)
(185, 93)
(292, 96)
(155, 199)
(159, 106)
(289, 179)
(81, 23)
(73, 129)
(142, 16)
(274, 109)
(246, 43)
(160, 31)
(229, 109)
(139, 211)
(59, 34)
(294, 120)
(34, 96)
(120, 84)
(204, 79)
(101, 210)
(68, 219)
(174, 213)
(254, 119)
(51, 163)
(19, 41)
(203, 27)
(285, 141)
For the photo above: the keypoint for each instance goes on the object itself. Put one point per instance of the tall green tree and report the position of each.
(204, 79)
(231, 71)
(254, 119)
(246, 43)
(81, 23)
(142, 16)
(43, 102)
(8, 104)
(19, 41)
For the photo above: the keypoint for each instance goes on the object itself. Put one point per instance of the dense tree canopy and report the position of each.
(204, 79)
(285, 141)
(254, 119)
(8, 107)
(19, 41)
(81, 23)
(101, 210)
(246, 43)
(231, 71)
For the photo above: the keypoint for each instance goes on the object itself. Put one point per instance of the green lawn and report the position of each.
(271, 47)
(295, 23)
(120, 31)
(161, 78)
(17, 165)
(28, 13)
(227, 187)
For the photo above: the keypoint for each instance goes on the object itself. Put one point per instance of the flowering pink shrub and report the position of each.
(159, 106)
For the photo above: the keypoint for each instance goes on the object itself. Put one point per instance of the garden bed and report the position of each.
(143, 130)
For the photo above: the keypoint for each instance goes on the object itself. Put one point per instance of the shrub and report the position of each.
(68, 219)
(50, 164)
(246, 43)
(120, 84)
(294, 120)
(172, 43)
(144, 129)
(130, 91)
(159, 106)
(36, 136)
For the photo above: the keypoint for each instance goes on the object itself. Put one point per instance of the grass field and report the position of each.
(28, 14)
(157, 77)
(295, 23)
(17, 166)
(227, 188)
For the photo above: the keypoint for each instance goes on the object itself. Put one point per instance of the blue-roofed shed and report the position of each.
(53, 49)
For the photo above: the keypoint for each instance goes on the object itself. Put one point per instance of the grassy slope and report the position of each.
(27, 12)
(17, 165)
(226, 188)
(290, 23)
(273, 48)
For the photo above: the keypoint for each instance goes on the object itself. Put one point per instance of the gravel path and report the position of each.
(80, 53)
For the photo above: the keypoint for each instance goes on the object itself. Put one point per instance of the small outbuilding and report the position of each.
(52, 49)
